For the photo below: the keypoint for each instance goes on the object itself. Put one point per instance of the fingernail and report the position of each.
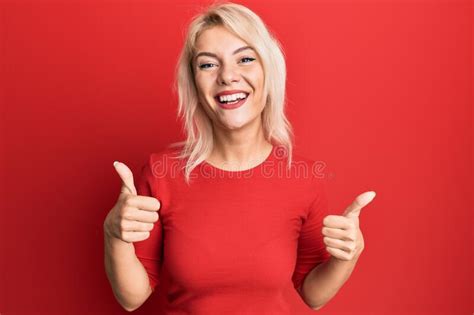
(115, 162)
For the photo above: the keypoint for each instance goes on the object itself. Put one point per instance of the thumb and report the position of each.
(127, 178)
(361, 201)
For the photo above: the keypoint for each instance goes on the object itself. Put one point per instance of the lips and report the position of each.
(233, 105)
(230, 92)
(217, 98)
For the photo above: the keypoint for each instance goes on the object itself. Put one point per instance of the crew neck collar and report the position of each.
(254, 168)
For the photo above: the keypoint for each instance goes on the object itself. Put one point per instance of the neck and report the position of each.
(243, 147)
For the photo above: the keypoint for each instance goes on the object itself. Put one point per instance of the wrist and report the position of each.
(110, 238)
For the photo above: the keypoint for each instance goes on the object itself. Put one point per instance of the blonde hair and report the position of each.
(197, 125)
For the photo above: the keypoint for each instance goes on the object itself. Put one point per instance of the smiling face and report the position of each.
(223, 63)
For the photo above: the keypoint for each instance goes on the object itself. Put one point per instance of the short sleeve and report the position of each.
(149, 251)
(311, 248)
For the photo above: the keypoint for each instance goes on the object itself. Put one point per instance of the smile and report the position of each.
(232, 101)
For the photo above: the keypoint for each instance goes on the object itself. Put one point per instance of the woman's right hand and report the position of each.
(132, 217)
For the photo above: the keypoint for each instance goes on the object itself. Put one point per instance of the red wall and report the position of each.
(379, 90)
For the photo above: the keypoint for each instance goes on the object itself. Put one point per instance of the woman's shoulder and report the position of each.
(304, 157)
(314, 168)
(165, 161)
(168, 152)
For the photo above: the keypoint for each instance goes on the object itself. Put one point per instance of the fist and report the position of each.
(341, 233)
(132, 217)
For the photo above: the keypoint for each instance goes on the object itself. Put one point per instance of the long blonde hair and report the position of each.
(197, 125)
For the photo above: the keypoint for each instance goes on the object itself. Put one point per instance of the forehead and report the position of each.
(218, 40)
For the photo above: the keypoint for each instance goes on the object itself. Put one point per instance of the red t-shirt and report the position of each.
(233, 242)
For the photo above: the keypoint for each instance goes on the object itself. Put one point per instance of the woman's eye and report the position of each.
(248, 58)
(204, 65)
(211, 65)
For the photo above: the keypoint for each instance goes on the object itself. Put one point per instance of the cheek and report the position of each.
(256, 77)
(202, 84)
(198, 78)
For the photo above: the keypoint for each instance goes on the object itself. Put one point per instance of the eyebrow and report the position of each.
(205, 53)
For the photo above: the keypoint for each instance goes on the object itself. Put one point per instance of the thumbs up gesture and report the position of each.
(132, 217)
(342, 235)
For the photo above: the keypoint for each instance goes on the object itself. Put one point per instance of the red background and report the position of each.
(381, 91)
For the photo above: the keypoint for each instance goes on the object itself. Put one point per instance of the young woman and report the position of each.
(240, 224)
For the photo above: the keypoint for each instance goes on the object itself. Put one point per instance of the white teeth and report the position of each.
(233, 97)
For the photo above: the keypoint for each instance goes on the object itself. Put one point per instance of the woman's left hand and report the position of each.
(342, 235)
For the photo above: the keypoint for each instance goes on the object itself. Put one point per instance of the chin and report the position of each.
(233, 124)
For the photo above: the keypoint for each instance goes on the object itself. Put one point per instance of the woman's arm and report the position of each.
(345, 242)
(126, 274)
(324, 281)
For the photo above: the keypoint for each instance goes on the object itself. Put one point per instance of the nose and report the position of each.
(228, 74)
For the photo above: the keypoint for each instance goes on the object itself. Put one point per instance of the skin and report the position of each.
(344, 241)
(239, 141)
(342, 234)
(130, 220)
